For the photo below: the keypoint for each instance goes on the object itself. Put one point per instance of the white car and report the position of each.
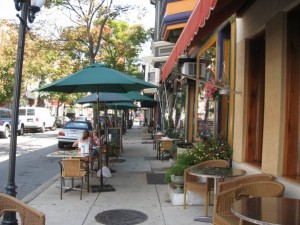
(72, 131)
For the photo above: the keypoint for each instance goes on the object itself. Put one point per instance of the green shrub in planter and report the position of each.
(176, 169)
(183, 161)
(213, 148)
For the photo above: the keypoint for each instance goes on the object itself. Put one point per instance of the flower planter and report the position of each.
(178, 181)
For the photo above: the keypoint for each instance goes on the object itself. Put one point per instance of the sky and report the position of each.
(8, 11)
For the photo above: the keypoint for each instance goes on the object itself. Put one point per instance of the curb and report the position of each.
(40, 189)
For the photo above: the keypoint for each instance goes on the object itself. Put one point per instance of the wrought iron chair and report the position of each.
(28, 215)
(156, 137)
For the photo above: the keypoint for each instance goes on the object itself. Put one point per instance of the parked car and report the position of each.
(37, 118)
(72, 131)
(5, 123)
(60, 121)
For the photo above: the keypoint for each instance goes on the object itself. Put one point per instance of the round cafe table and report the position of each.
(268, 211)
(216, 173)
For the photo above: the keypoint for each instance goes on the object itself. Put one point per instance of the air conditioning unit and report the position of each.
(189, 68)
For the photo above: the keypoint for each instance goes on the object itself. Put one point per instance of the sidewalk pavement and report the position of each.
(132, 191)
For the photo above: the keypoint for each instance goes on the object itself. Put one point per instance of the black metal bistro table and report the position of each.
(216, 173)
(268, 211)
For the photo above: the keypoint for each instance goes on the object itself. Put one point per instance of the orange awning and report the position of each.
(200, 14)
(207, 16)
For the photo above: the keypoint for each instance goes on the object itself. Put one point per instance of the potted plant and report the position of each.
(175, 175)
(216, 87)
(183, 161)
(212, 148)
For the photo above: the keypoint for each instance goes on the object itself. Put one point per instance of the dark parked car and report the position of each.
(60, 121)
(5, 123)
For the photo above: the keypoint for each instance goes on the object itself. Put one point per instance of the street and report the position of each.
(33, 168)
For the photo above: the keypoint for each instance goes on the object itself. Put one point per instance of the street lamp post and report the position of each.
(28, 10)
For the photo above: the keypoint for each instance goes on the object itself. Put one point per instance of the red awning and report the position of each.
(200, 14)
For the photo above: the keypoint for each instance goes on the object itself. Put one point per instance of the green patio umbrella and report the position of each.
(133, 95)
(121, 105)
(96, 78)
(115, 97)
(104, 97)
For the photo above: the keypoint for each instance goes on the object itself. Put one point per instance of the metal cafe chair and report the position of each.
(71, 168)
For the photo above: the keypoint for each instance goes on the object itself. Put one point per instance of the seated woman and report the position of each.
(84, 139)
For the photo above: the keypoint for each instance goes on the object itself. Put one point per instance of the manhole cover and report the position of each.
(121, 217)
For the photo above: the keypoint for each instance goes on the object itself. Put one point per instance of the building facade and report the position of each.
(250, 50)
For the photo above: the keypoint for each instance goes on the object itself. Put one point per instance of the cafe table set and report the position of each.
(262, 211)
(216, 173)
(79, 153)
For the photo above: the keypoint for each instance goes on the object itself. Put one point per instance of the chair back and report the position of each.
(70, 167)
(224, 200)
(28, 215)
(222, 186)
(260, 189)
(166, 145)
(214, 163)
(210, 163)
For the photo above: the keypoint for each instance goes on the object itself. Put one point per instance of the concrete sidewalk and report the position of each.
(132, 191)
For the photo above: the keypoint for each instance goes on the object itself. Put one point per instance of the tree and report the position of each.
(7, 61)
(90, 17)
(42, 59)
(122, 46)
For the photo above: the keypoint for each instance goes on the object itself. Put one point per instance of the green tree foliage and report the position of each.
(50, 55)
(122, 45)
(89, 18)
(8, 41)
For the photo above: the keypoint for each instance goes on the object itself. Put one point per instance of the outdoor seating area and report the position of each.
(228, 186)
(200, 128)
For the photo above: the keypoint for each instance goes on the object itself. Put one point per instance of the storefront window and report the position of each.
(180, 115)
(206, 103)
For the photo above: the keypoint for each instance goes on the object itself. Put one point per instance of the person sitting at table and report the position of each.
(84, 139)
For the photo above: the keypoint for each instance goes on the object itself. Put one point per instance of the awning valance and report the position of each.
(197, 19)
(205, 18)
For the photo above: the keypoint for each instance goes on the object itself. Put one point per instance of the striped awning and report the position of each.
(200, 14)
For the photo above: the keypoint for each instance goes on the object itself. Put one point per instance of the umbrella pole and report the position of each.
(99, 132)
(101, 187)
